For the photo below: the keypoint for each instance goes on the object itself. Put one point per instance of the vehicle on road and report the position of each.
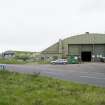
(59, 61)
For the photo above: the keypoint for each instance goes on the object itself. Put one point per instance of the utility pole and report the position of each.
(93, 40)
(60, 48)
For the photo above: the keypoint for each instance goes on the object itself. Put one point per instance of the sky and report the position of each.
(34, 25)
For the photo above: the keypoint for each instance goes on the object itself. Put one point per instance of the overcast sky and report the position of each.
(34, 25)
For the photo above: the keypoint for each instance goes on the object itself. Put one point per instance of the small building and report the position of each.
(88, 47)
(8, 54)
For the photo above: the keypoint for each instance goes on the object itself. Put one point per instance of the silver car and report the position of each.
(59, 61)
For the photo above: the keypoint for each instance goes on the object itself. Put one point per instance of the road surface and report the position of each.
(88, 73)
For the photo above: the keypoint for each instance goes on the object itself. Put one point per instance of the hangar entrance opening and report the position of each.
(86, 56)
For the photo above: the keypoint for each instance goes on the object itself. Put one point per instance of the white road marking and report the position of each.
(91, 77)
(87, 72)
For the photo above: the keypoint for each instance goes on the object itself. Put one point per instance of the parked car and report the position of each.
(59, 61)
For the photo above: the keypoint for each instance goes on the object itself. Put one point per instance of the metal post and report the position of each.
(93, 48)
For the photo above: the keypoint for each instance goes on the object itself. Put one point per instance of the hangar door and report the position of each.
(99, 50)
(86, 48)
(86, 52)
(74, 49)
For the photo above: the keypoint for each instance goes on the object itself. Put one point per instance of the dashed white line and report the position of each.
(92, 77)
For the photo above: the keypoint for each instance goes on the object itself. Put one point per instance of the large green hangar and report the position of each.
(87, 47)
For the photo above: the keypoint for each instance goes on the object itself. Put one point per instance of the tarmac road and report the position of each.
(88, 73)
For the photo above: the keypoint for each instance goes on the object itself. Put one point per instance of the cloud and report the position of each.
(36, 24)
(92, 6)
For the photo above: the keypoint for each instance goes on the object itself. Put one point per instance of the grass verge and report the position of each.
(23, 89)
(11, 61)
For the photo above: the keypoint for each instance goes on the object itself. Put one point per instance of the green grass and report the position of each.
(23, 89)
(39, 62)
(11, 61)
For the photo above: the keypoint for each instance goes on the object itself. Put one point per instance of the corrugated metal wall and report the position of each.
(74, 49)
(77, 49)
(99, 50)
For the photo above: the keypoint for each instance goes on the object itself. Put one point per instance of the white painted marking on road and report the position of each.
(90, 73)
(91, 77)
